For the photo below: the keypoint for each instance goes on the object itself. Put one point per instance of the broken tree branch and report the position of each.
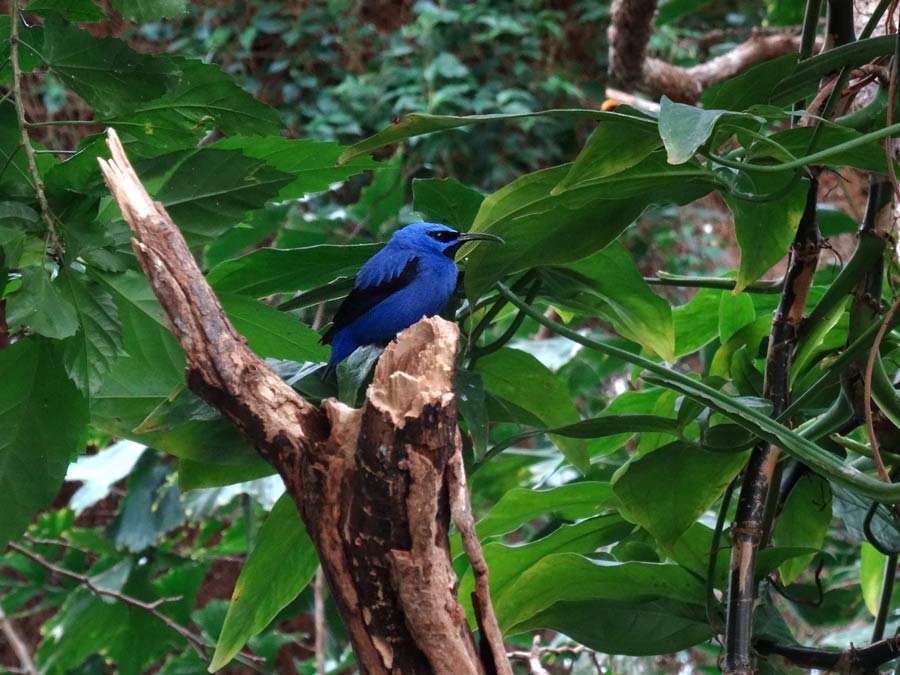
(631, 24)
(375, 487)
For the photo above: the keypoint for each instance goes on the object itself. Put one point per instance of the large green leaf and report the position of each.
(77, 11)
(416, 124)
(666, 490)
(751, 87)
(765, 230)
(609, 285)
(518, 377)
(89, 354)
(40, 305)
(508, 563)
(33, 38)
(684, 128)
(635, 628)
(804, 521)
(520, 505)
(871, 576)
(618, 143)
(540, 228)
(271, 333)
(43, 424)
(280, 566)
(310, 163)
(269, 270)
(561, 577)
(211, 190)
(105, 72)
(205, 98)
(446, 201)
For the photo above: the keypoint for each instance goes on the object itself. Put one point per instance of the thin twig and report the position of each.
(20, 649)
(58, 542)
(23, 124)
(200, 646)
(867, 391)
(319, 595)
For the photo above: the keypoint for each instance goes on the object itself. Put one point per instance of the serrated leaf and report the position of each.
(43, 424)
(89, 354)
(40, 305)
(105, 72)
(204, 99)
(281, 564)
(310, 163)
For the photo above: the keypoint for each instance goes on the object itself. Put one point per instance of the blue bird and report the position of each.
(413, 276)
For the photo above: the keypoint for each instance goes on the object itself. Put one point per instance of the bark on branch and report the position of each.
(631, 24)
(375, 487)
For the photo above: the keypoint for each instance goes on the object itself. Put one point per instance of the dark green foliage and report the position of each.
(603, 420)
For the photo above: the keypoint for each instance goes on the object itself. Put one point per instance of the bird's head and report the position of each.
(437, 238)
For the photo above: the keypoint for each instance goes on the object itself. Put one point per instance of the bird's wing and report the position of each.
(370, 289)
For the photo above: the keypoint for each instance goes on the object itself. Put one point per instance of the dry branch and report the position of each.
(375, 487)
(631, 24)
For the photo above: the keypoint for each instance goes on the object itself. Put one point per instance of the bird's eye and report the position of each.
(444, 236)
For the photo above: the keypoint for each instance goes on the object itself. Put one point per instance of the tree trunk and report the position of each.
(375, 487)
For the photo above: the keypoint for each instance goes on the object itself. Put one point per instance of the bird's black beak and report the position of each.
(478, 236)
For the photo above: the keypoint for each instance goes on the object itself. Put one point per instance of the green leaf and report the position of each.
(752, 87)
(381, 200)
(609, 285)
(105, 72)
(43, 424)
(194, 475)
(33, 38)
(672, 10)
(40, 305)
(280, 566)
(644, 628)
(696, 322)
(271, 333)
(521, 505)
(763, 246)
(145, 11)
(804, 81)
(615, 145)
(268, 270)
(562, 577)
(76, 11)
(541, 229)
(804, 521)
(204, 99)
(471, 407)
(518, 377)
(416, 124)
(666, 490)
(15, 179)
(89, 354)
(509, 563)
(684, 128)
(871, 576)
(310, 163)
(795, 141)
(735, 312)
(446, 201)
(211, 190)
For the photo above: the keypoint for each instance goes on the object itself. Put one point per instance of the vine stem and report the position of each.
(23, 124)
(867, 398)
